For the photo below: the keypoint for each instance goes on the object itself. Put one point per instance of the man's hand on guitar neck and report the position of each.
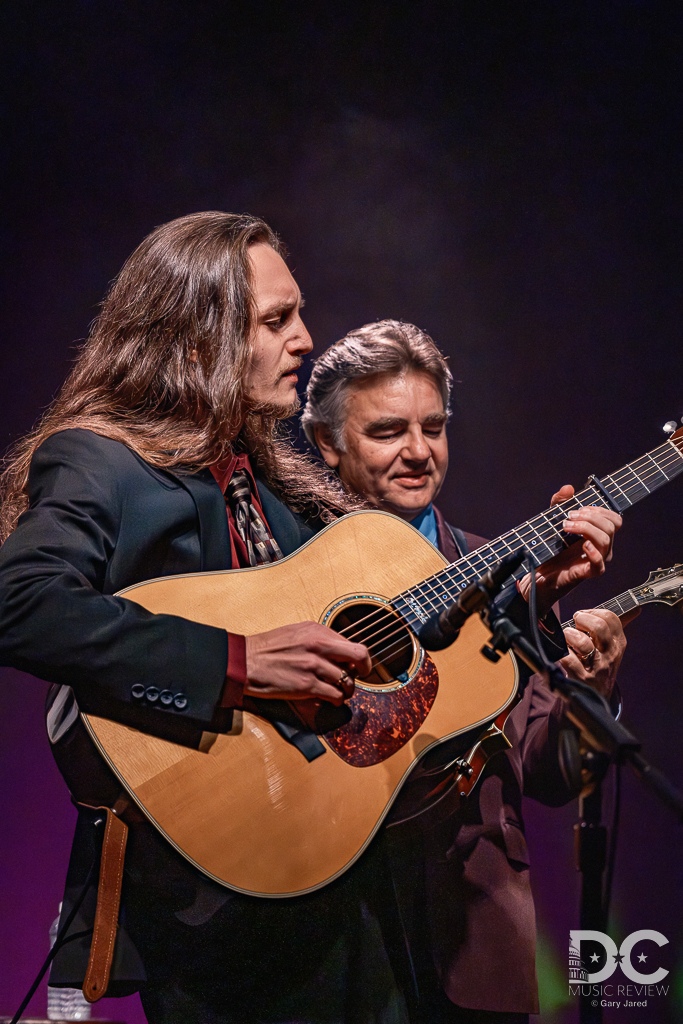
(596, 648)
(302, 661)
(581, 561)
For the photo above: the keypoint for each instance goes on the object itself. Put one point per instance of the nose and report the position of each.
(301, 342)
(416, 448)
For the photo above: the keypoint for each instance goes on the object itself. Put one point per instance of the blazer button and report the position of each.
(137, 691)
(152, 694)
(166, 697)
(180, 701)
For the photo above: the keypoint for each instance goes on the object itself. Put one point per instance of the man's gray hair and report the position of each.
(385, 348)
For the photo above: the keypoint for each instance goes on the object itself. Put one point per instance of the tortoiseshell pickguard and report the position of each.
(383, 720)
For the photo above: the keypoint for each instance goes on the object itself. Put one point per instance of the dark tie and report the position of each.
(260, 544)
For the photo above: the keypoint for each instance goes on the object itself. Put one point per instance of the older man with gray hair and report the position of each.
(377, 408)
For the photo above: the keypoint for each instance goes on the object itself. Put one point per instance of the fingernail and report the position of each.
(567, 524)
(574, 514)
(589, 546)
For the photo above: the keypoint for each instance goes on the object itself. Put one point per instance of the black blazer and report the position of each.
(101, 519)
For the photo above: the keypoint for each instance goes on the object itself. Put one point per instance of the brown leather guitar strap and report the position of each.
(108, 901)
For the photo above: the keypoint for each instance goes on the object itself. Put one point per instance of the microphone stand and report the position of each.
(590, 854)
(606, 741)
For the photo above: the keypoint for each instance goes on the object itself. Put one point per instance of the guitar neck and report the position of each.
(625, 602)
(543, 536)
(663, 586)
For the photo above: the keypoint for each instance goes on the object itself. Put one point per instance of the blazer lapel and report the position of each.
(214, 533)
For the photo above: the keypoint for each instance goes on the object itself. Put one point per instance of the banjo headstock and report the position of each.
(664, 585)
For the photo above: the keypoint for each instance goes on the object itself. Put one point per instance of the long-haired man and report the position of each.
(161, 456)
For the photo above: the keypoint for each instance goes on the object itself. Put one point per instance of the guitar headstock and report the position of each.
(665, 585)
(669, 428)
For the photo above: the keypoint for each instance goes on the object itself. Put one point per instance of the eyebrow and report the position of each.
(280, 307)
(387, 422)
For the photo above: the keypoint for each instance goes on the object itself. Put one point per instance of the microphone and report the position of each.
(442, 630)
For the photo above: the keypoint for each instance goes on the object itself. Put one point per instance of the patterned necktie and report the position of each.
(260, 544)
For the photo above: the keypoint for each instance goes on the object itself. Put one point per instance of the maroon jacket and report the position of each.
(470, 920)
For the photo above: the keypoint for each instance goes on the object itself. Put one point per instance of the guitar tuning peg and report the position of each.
(670, 426)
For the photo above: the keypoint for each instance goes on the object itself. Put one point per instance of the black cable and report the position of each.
(535, 632)
(533, 617)
(61, 938)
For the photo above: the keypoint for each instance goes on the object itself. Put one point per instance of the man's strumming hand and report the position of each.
(302, 661)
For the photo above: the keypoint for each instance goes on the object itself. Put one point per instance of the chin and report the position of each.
(291, 409)
(404, 511)
(414, 503)
(280, 409)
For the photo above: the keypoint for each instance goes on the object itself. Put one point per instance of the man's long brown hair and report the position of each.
(163, 368)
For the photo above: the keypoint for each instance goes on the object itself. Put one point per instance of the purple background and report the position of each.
(507, 176)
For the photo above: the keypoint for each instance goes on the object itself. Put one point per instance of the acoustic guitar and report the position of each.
(264, 814)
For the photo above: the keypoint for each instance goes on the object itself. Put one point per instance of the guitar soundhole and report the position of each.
(393, 648)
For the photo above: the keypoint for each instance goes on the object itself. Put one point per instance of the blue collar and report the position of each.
(426, 524)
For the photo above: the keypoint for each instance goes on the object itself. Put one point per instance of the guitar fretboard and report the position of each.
(542, 536)
(665, 586)
(625, 602)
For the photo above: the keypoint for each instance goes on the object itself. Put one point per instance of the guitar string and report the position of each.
(378, 616)
(518, 533)
(544, 535)
(622, 603)
(651, 472)
(639, 595)
(383, 619)
(398, 646)
(556, 512)
(468, 562)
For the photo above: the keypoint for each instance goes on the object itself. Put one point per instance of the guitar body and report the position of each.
(247, 808)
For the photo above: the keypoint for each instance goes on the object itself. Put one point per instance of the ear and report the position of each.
(323, 439)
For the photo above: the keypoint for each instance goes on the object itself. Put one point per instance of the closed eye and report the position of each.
(387, 434)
